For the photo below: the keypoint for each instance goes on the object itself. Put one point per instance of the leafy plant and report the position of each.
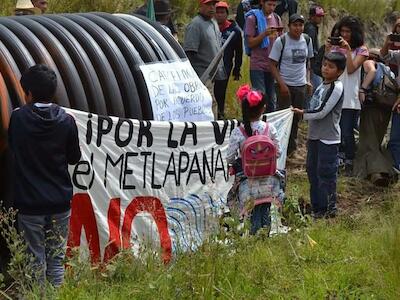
(21, 267)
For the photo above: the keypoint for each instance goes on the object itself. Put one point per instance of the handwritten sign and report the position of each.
(176, 92)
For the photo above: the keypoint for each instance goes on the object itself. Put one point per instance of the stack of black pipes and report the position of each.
(96, 57)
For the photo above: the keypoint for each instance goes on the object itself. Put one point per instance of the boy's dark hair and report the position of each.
(41, 81)
(251, 113)
(357, 30)
(337, 58)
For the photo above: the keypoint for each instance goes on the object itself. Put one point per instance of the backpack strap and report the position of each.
(243, 131)
(307, 38)
(283, 41)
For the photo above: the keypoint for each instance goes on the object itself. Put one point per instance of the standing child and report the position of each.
(263, 189)
(44, 140)
(324, 136)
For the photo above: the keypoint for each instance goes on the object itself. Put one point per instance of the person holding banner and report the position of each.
(324, 136)
(202, 43)
(254, 193)
(43, 139)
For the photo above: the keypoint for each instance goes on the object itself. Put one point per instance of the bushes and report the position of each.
(372, 10)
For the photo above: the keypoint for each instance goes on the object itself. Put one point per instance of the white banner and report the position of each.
(150, 182)
(176, 92)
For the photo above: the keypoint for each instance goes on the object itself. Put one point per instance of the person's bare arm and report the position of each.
(256, 41)
(352, 64)
(386, 46)
(283, 88)
(370, 70)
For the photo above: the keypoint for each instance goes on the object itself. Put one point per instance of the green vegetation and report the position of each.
(355, 256)
(374, 10)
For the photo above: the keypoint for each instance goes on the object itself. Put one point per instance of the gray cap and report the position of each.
(296, 18)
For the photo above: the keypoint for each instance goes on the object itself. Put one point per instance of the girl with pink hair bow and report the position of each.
(254, 194)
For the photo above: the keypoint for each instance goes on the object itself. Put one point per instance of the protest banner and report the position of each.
(176, 92)
(151, 183)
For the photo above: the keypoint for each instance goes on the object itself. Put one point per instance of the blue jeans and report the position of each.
(348, 122)
(322, 168)
(264, 82)
(260, 217)
(394, 143)
(46, 238)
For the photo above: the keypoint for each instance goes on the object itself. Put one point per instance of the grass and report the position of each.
(355, 256)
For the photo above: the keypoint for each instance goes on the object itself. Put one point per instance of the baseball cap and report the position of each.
(296, 18)
(317, 11)
(207, 1)
(222, 4)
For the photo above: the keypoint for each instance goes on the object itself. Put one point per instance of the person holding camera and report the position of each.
(372, 161)
(349, 40)
(393, 57)
(261, 30)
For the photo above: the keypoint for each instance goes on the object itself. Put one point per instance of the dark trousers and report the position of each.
(260, 217)
(322, 168)
(220, 87)
(296, 99)
(349, 122)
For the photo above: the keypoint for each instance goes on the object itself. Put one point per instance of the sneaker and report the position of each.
(318, 215)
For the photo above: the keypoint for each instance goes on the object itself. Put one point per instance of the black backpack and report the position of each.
(317, 63)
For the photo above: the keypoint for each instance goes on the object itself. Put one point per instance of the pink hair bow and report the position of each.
(253, 97)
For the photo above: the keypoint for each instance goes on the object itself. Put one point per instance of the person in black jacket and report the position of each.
(233, 52)
(43, 139)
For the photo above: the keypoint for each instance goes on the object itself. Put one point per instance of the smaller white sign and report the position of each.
(176, 92)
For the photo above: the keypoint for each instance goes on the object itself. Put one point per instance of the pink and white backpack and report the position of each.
(258, 154)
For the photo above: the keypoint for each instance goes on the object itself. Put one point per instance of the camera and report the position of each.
(335, 40)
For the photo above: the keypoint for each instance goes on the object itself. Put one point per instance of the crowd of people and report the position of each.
(340, 88)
